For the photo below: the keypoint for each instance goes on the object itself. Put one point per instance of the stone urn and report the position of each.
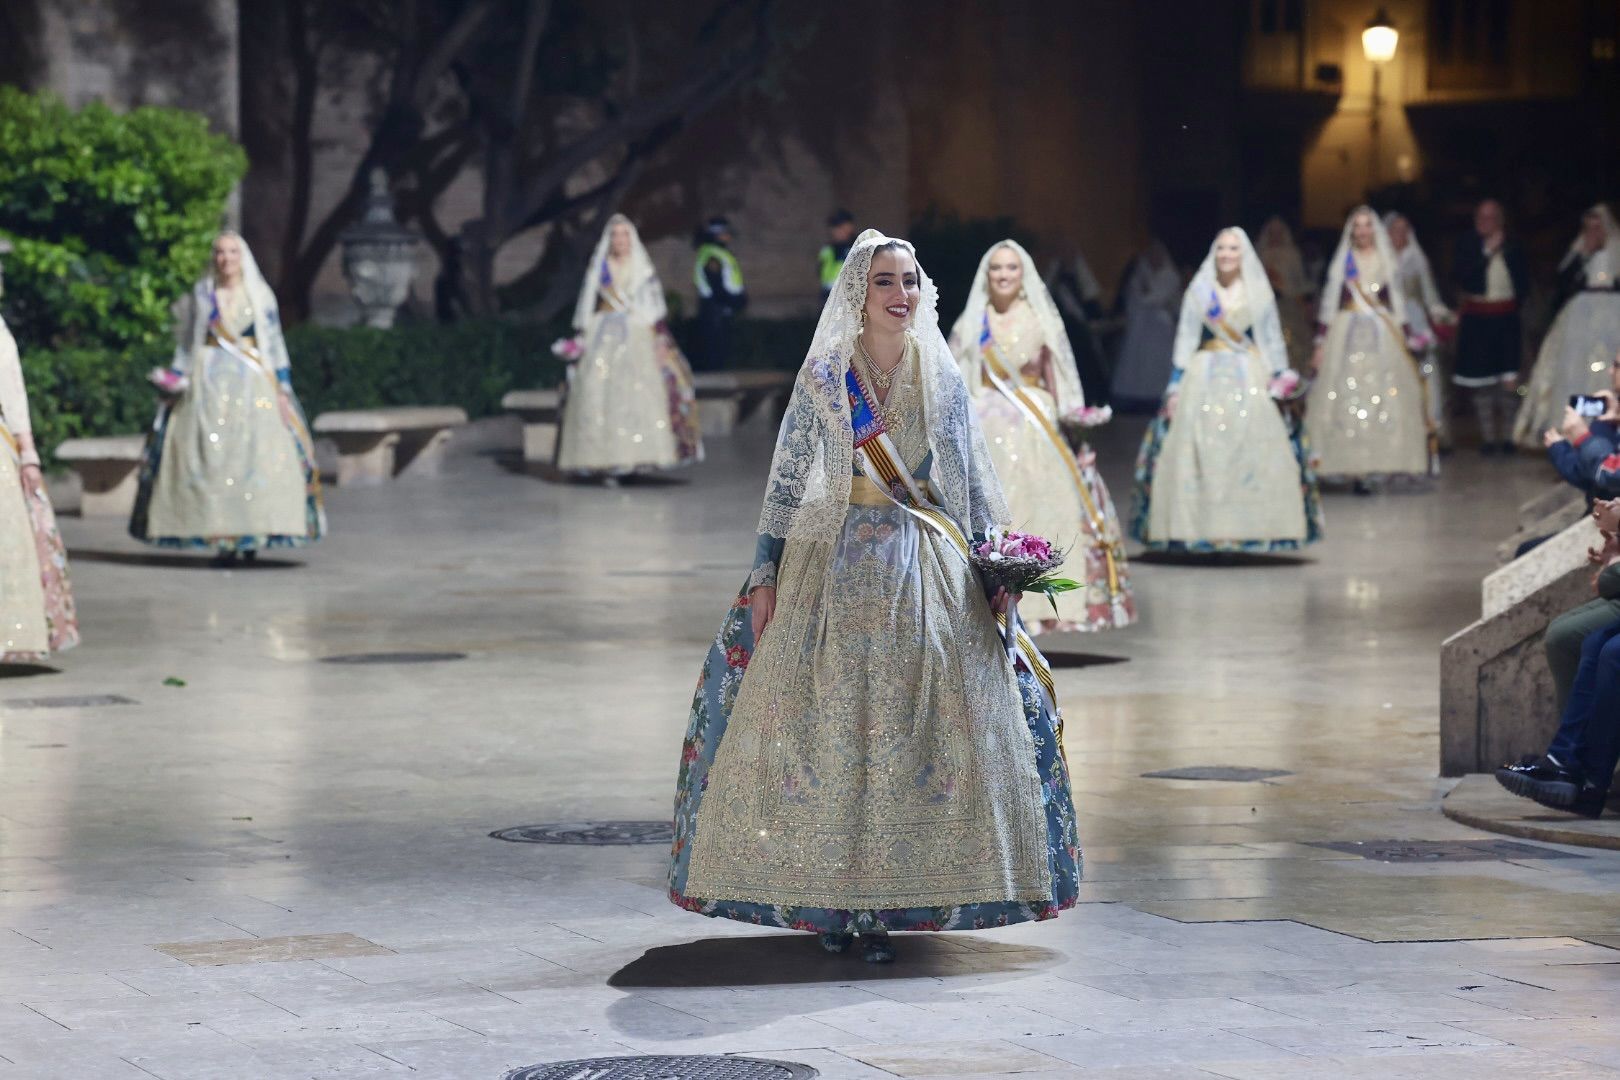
(379, 257)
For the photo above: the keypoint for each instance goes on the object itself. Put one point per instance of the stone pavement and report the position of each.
(281, 868)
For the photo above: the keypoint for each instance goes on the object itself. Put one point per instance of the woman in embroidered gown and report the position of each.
(1221, 468)
(1585, 335)
(230, 465)
(1425, 311)
(1365, 416)
(1149, 294)
(1021, 373)
(37, 617)
(631, 407)
(1285, 269)
(862, 756)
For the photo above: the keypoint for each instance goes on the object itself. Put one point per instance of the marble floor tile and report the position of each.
(271, 950)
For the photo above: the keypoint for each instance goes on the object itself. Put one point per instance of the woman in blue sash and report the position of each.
(230, 466)
(863, 754)
(1367, 415)
(1221, 468)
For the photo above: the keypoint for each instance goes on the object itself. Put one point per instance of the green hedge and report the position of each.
(83, 392)
(112, 215)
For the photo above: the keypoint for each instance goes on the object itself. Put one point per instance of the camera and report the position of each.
(1588, 406)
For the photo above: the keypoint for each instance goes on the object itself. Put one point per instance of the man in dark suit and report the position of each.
(1492, 280)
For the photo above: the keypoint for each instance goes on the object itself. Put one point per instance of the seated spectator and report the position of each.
(1583, 650)
(1585, 452)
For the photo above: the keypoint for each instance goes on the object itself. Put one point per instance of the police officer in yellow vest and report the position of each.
(721, 296)
(830, 260)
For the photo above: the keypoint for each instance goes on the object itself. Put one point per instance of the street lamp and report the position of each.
(1378, 42)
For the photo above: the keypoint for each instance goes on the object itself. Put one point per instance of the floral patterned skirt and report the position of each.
(36, 597)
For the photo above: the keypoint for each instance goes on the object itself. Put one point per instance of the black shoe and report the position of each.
(1590, 801)
(1510, 449)
(834, 942)
(1361, 487)
(1487, 449)
(875, 949)
(1541, 779)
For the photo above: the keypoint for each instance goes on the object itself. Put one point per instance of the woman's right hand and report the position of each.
(761, 608)
(1316, 359)
(1170, 405)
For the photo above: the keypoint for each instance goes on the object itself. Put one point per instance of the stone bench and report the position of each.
(109, 471)
(376, 445)
(727, 399)
(1548, 514)
(541, 413)
(1496, 692)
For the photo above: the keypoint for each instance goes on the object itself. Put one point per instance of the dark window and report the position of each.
(1469, 44)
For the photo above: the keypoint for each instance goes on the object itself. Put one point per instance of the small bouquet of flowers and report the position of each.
(1287, 385)
(569, 349)
(1020, 563)
(1075, 423)
(168, 381)
(1421, 341)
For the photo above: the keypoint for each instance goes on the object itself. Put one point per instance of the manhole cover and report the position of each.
(1080, 659)
(682, 1067)
(394, 658)
(590, 833)
(1235, 773)
(1442, 850)
(68, 701)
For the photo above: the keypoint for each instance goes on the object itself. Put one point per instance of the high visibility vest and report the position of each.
(730, 272)
(831, 262)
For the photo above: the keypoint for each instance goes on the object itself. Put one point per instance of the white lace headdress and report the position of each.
(807, 494)
(640, 288)
(970, 324)
(1386, 255)
(1258, 298)
(268, 338)
(1611, 230)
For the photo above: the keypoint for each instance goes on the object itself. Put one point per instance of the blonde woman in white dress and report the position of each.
(1221, 468)
(37, 616)
(230, 465)
(1366, 417)
(1425, 313)
(1017, 362)
(1585, 336)
(631, 406)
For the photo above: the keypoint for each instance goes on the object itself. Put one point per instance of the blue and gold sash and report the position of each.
(880, 461)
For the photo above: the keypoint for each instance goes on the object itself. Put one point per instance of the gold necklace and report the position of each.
(882, 380)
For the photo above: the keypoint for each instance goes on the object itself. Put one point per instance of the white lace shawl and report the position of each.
(641, 290)
(807, 494)
(965, 334)
(193, 311)
(1259, 298)
(1386, 255)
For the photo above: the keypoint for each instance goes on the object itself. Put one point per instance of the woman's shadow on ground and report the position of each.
(797, 959)
(175, 560)
(808, 978)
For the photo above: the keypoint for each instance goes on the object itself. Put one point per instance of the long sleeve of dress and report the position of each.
(185, 333)
(14, 398)
(767, 557)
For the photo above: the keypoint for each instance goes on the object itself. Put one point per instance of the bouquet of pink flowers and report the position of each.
(168, 380)
(568, 348)
(1076, 422)
(1286, 385)
(1020, 563)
